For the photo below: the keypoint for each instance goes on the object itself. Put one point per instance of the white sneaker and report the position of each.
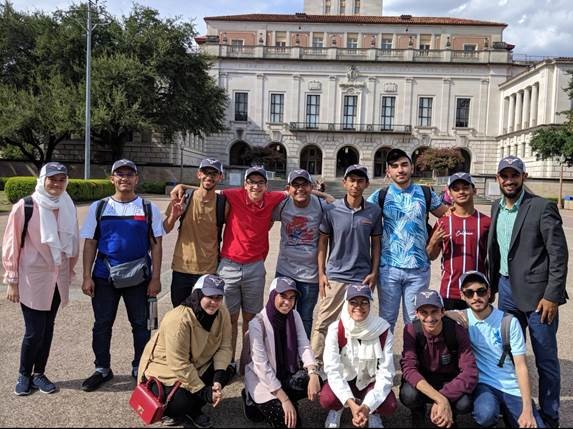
(374, 421)
(333, 419)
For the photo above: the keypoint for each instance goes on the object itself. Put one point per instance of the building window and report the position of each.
(386, 43)
(312, 110)
(280, 40)
(356, 7)
(388, 107)
(241, 106)
(352, 41)
(236, 45)
(425, 112)
(317, 40)
(277, 107)
(327, 7)
(462, 112)
(342, 8)
(350, 106)
(470, 50)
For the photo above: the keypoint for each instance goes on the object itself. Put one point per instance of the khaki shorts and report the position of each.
(244, 285)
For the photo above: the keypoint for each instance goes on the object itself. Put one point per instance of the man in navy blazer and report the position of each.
(527, 265)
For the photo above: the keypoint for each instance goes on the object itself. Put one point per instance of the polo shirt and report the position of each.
(246, 235)
(485, 338)
(350, 231)
(504, 229)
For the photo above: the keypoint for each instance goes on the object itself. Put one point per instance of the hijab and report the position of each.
(283, 327)
(194, 302)
(59, 233)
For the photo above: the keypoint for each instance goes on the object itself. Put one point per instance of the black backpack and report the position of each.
(28, 211)
(220, 204)
(427, 196)
(146, 208)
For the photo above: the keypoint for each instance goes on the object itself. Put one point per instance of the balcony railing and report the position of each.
(348, 127)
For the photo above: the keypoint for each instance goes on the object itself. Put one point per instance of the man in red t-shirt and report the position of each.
(462, 239)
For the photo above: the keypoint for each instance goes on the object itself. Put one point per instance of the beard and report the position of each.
(515, 193)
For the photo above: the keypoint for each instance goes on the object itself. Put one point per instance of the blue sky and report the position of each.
(536, 27)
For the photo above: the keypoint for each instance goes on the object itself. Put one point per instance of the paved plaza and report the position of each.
(71, 360)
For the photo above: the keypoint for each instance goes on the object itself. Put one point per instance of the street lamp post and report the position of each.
(87, 131)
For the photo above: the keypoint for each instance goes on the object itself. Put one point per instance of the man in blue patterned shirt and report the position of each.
(404, 264)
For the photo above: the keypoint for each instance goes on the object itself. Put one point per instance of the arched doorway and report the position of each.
(380, 161)
(415, 155)
(238, 155)
(311, 159)
(467, 162)
(345, 157)
(278, 160)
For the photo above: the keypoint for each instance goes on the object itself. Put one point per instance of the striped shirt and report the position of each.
(464, 250)
(504, 229)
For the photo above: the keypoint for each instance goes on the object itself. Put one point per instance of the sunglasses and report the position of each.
(469, 293)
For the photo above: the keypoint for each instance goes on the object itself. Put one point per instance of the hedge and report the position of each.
(79, 189)
(151, 188)
(3, 182)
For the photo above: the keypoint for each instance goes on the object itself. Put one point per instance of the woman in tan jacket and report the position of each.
(192, 347)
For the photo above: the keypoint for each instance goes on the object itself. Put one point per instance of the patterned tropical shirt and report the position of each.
(404, 218)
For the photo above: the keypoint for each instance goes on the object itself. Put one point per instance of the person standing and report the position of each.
(404, 264)
(300, 216)
(461, 238)
(352, 228)
(527, 254)
(39, 251)
(122, 259)
(197, 248)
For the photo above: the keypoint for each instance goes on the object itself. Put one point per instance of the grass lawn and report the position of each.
(5, 205)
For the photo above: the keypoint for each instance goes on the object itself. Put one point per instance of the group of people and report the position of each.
(460, 353)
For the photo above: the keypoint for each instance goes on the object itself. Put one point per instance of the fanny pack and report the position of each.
(128, 274)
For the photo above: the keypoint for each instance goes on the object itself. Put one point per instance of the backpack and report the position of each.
(220, 204)
(146, 208)
(342, 340)
(28, 211)
(427, 196)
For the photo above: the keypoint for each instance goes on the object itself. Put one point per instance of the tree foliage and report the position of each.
(439, 159)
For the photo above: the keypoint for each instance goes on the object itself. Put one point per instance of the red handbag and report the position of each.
(147, 405)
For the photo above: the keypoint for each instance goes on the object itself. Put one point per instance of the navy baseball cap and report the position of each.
(465, 177)
(356, 169)
(299, 174)
(211, 163)
(210, 285)
(511, 162)
(123, 163)
(474, 276)
(257, 169)
(428, 297)
(395, 154)
(358, 289)
(53, 168)
(283, 284)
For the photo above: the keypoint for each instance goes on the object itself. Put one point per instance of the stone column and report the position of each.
(518, 108)
(504, 116)
(407, 110)
(511, 115)
(534, 105)
(526, 107)
(259, 101)
(444, 119)
(295, 99)
(370, 95)
(331, 101)
(481, 125)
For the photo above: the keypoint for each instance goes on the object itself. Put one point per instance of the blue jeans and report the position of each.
(400, 283)
(105, 303)
(306, 302)
(544, 345)
(489, 402)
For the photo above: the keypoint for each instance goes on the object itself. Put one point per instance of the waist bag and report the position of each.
(128, 274)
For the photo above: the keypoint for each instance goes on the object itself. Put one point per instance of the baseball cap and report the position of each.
(358, 289)
(123, 163)
(357, 169)
(210, 285)
(284, 284)
(511, 162)
(53, 168)
(428, 297)
(465, 177)
(299, 174)
(257, 169)
(469, 276)
(395, 154)
(211, 163)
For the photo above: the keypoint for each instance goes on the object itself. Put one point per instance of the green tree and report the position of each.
(441, 160)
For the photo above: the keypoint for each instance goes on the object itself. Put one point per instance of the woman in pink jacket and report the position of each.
(278, 341)
(38, 264)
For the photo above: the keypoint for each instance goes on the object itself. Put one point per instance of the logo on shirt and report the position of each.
(298, 231)
(462, 232)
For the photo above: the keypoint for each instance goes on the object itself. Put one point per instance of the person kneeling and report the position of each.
(358, 363)
(277, 340)
(192, 347)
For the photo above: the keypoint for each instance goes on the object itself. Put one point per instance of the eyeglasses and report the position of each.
(216, 298)
(124, 175)
(361, 303)
(257, 183)
(299, 185)
(469, 293)
(287, 298)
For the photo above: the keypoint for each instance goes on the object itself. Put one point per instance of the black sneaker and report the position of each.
(201, 421)
(250, 410)
(96, 380)
(170, 421)
(43, 383)
(419, 418)
(23, 385)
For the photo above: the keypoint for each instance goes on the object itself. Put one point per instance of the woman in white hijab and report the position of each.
(39, 260)
(358, 363)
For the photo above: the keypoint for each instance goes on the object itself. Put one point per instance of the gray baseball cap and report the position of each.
(210, 285)
(257, 169)
(123, 163)
(358, 289)
(284, 284)
(511, 162)
(465, 177)
(53, 168)
(211, 163)
(356, 169)
(428, 297)
(299, 174)
(473, 276)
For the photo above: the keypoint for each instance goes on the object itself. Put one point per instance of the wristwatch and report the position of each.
(312, 371)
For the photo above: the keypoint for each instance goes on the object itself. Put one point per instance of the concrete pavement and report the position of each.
(71, 361)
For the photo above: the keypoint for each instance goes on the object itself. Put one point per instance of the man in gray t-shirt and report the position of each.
(352, 226)
(300, 216)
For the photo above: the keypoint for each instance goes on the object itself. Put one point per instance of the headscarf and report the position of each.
(59, 234)
(363, 346)
(284, 327)
(194, 302)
